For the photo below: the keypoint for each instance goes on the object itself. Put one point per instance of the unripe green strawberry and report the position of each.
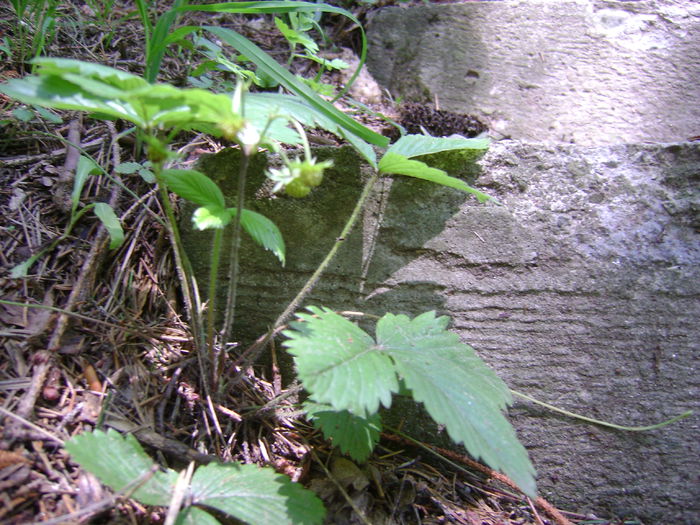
(229, 127)
(311, 175)
(297, 189)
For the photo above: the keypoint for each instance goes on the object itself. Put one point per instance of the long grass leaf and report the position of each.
(289, 81)
(292, 7)
(142, 7)
(156, 48)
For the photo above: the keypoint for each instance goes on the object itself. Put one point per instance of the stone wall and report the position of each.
(583, 288)
(584, 71)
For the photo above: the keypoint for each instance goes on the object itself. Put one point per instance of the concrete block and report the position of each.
(577, 71)
(582, 290)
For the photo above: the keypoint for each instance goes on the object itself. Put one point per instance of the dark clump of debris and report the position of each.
(419, 118)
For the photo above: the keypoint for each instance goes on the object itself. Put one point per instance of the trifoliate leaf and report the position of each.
(111, 223)
(354, 435)
(129, 168)
(120, 462)
(458, 390)
(111, 93)
(339, 364)
(194, 186)
(255, 495)
(401, 165)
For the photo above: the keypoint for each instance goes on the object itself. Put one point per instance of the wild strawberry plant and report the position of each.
(245, 492)
(348, 373)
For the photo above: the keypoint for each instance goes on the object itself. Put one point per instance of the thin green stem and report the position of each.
(235, 251)
(181, 262)
(184, 271)
(599, 422)
(254, 350)
(304, 139)
(294, 304)
(211, 307)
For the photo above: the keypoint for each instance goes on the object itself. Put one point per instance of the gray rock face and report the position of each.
(583, 71)
(581, 290)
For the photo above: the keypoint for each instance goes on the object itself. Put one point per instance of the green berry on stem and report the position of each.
(297, 189)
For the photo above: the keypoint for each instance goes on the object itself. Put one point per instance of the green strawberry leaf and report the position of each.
(110, 221)
(342, 367)
(417, 145)
(211, 217)
(195, 516)
(52, 91)
(247, 492)
(264, 232)
(398, 164)
(254, 495)
(86, 167)
(120, 463)
(194, 186)
(458, 390)
(339, 364)
(354, 435)
(116, 78)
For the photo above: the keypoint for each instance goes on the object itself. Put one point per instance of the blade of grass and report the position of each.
(289, 81)
(156, 48)
(290, 6)
(142, 7)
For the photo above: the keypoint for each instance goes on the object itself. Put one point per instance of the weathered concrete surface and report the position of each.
(582, 71)
(582, 290)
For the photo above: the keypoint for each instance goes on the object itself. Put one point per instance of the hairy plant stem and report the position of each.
(252, 352)
(234, 254)
(182, 265)
(294, 304)
(211, 306)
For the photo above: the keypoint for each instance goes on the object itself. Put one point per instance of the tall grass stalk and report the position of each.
(36, 27)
